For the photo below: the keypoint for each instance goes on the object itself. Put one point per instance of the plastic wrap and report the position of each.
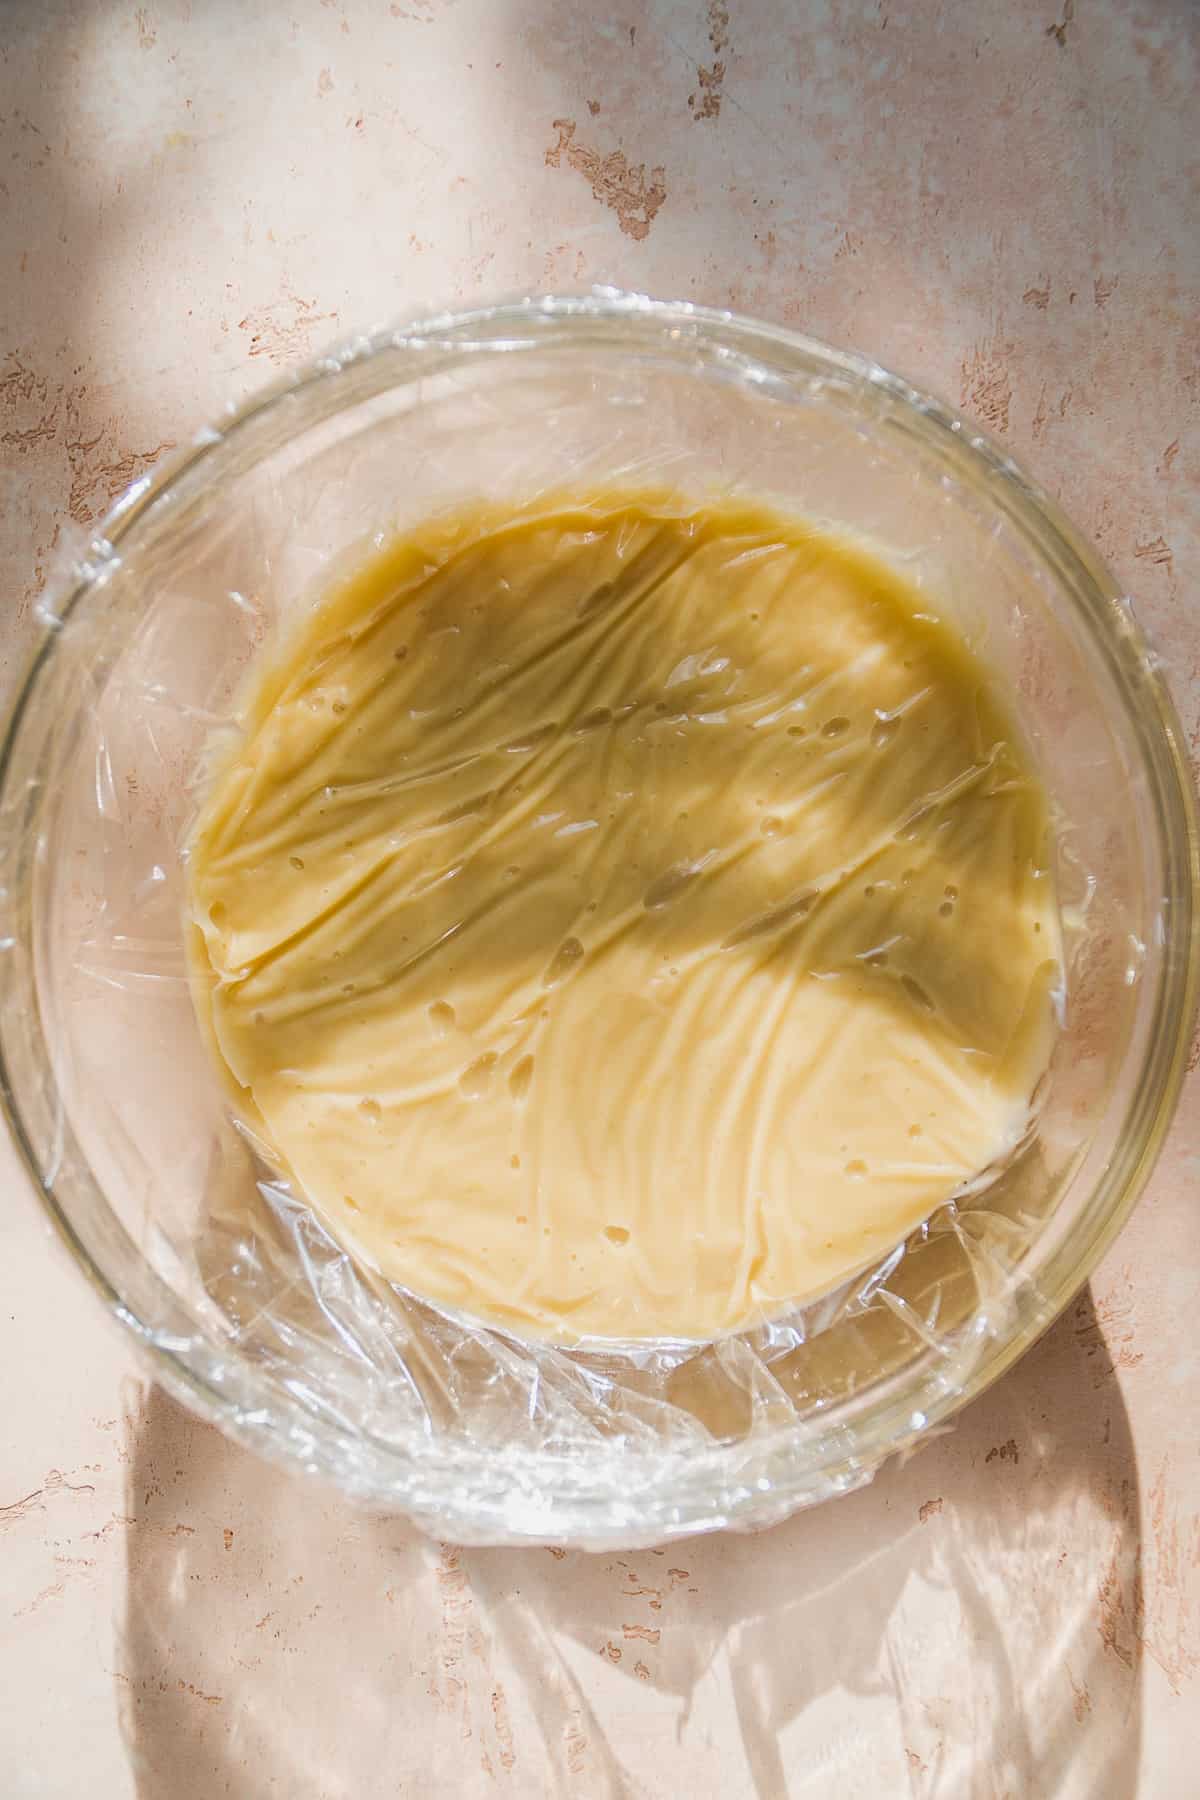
(254, 1312)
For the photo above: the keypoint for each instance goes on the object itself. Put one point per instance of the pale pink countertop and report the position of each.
(999, 200)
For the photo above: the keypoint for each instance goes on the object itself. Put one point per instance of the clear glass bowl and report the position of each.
(249, 1311)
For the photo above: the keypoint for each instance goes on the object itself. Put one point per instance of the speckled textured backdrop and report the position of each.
(1001, 201)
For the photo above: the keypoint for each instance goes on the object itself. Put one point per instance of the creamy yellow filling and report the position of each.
(625, 917)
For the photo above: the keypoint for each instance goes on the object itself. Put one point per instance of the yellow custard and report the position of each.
(625, 917)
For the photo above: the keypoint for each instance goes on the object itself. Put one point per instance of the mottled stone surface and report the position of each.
(998, 200)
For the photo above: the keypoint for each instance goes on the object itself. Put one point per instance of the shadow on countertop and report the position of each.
(968, 1626)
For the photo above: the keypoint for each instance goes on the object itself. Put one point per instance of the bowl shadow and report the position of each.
(968, 1625)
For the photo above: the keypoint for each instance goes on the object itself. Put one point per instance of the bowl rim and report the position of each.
(543, 320)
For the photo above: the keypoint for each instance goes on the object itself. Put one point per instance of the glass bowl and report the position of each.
(250, 1313)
